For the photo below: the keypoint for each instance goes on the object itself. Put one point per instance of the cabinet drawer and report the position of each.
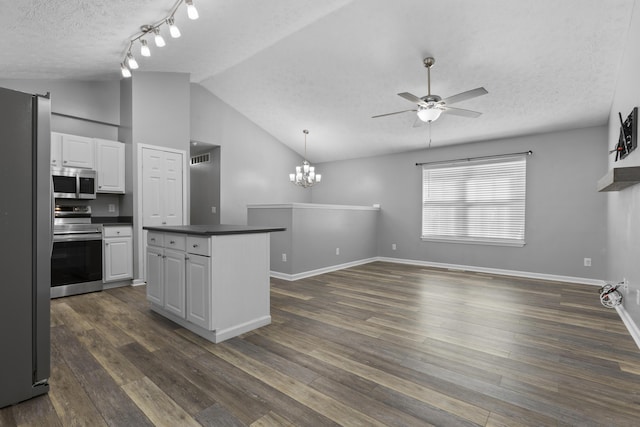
(154, 238)
(198, 245)
(175, 241)
(117, 231)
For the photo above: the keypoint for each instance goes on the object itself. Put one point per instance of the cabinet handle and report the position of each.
(64, 161)
(172, 242)
(164, 222)
(106, 243)
(99, 186)
(153, 239)
(186, 258)
(195, 245)
(117, 232)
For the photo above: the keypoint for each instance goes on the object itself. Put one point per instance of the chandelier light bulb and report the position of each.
(173, 29)
(131, 62)
(192, 12)
(144, 49)
(126, 73)
(158, 38)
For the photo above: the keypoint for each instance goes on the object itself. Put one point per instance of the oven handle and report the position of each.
(76, 237)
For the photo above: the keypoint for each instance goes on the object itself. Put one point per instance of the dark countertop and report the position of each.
(112, 220)
(213, 230)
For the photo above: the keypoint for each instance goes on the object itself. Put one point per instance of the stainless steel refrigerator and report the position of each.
(26, 243)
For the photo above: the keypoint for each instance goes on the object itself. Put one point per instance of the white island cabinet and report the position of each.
(212, 280)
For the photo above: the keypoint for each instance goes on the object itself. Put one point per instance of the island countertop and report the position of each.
(212, 229)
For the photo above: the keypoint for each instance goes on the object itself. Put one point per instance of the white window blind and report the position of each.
(478, 201)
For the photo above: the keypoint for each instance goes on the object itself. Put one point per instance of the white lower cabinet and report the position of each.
(199, 290)
(117, 248)
(215, 286)
(174, 276)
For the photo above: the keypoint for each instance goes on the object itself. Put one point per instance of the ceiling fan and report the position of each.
(431, 106)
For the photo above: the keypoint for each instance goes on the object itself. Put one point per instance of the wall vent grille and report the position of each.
(201, 158)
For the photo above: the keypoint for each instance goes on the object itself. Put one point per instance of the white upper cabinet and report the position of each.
(77, 151)
(56, 149)
(110, 166)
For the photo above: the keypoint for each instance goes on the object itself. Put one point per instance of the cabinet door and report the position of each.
(174, 278)
(56, 149)
(155, 276)
(199, 290)
(77, 152)
(109, 166)
(118, 259)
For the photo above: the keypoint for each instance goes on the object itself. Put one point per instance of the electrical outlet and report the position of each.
(393, 247)
(284, 257)
(112, 207)
(337, 251)
(624, 285)
(214, 209)
(587, 262)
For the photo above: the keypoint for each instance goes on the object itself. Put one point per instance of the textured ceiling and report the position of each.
(328, 66)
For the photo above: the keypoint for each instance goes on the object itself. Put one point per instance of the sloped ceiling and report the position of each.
(328, 66)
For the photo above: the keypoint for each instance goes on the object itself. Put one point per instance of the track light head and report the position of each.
(131, 62)
(158, 38)
(192, 12)
(126, 73)
(173, 29)
(144, 49)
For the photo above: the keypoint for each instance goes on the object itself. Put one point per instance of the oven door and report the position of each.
(76, 264)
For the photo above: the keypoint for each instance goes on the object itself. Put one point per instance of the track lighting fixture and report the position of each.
(192, 12)
(144, 49)
(129, 63)
(173, 29)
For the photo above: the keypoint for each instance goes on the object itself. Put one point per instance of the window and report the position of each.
(479, 201)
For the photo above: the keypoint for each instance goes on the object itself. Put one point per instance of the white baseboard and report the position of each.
(497, 271)
(629, 323)
(457, 267)
(311, 273)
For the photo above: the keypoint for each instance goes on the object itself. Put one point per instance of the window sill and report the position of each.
(474, 242)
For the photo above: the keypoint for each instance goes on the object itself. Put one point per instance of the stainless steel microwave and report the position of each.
(72, 183)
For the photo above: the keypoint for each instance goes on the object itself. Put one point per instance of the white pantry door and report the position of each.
(161, 187)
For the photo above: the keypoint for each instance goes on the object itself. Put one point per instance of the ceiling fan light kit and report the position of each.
(430, 107)
(129, 63)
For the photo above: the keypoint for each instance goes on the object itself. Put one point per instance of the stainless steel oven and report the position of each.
(76, 261)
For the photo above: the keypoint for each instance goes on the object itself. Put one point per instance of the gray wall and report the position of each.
(205, 187)
(159, 115)
(564, 213)
(255, 166)
(623, 207)
(314, 232)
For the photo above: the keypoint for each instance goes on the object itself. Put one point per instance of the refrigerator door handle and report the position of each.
(53, 210)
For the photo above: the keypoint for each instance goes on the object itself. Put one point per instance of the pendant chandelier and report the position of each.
(305, 175)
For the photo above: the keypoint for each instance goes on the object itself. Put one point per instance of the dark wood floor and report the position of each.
(379, 344)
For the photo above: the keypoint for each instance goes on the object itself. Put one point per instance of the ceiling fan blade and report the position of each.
(391, 114)
(465, 95)
(412, 98)
(461, 112)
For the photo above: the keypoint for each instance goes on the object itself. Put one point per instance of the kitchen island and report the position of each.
(211, 279)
